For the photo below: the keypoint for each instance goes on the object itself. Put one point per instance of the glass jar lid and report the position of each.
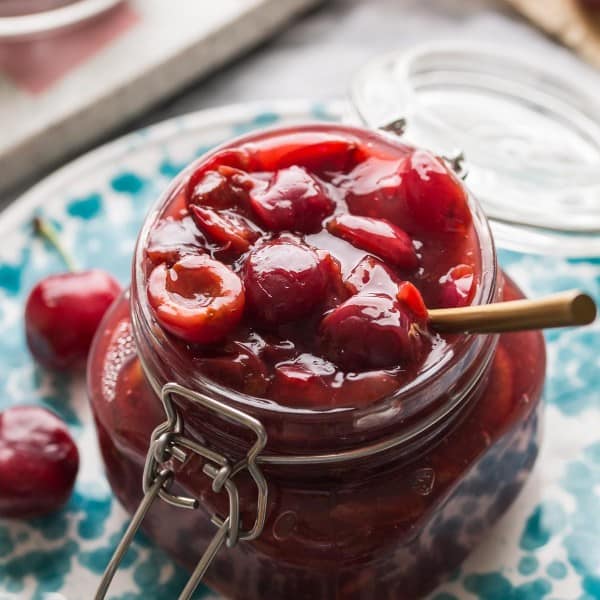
(530, 138)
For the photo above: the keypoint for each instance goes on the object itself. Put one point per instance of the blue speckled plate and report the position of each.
(547, 546)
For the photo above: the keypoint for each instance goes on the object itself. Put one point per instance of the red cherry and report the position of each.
(38, 462)
(303, 382)
(170, 239)
(210, 185)
(225, 227)
(371, 330)
(62, 314)
(284, 279)
(293, 200)
(211, 189)
(377, 236)
(197, 299)
(410, 297)
(372, 276)
(318, 152)
(374, 189)
(436, 200)
(240, 367)
(331, 156)
(457, 287)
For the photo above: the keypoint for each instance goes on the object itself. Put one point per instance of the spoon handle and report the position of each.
(559, 310)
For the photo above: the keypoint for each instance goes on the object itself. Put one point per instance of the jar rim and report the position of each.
(463, 345)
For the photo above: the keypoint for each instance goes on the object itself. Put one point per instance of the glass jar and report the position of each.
(371, 502)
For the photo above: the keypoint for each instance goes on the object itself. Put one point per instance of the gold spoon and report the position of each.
(559, 310)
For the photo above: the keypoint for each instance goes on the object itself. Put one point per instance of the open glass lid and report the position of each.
(531, 139)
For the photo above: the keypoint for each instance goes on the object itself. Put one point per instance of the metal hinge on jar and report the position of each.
(169, 443)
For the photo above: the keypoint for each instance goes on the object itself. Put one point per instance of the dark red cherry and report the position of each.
(293, 200)
(372, 276)
(371, 330)
(170, 239)
(210, 185)
(62, 314)
(436, 201)
(38, 462)
(284, 280)
(197, 299)
(225, 227)
(327, 157)
(376, 236)
(457, 287)
(374, 189)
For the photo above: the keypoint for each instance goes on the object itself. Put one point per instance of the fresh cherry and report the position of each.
(293, 200)
(377, 236)
(371, 330)
(62, 314)
(284, 280)
(38, 462)
(197, 299)
(457, 287)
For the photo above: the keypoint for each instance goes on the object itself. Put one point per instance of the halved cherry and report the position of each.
(171, 239)
(197, 299)
(284, 280)
(370, 330)
(208, 186)
(410, 297)
(374, 189)
(336, 290)
(293, 200)
(457, 286)
(377, 236)
(211, 189)
(240, 368)
(225, 227)
(436, 200)
(318, 152)
(331, 156)
(373, 276)
(303, 382)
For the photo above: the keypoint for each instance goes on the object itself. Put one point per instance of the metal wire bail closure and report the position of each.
(169, 443)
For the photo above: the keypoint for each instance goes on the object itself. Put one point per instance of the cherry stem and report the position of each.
(45, 230)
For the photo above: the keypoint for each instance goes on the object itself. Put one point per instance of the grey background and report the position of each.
(317, 55)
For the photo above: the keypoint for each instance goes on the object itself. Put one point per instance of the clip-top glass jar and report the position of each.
(373, 489)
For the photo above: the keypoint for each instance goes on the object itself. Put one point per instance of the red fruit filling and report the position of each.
(378, 236)
(198, 299)
(436, 201)
(324, 249)
(293, 200)
(370, 330)
(457, 286)
(284, 280)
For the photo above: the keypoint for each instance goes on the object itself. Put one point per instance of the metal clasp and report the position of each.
(169, 443)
